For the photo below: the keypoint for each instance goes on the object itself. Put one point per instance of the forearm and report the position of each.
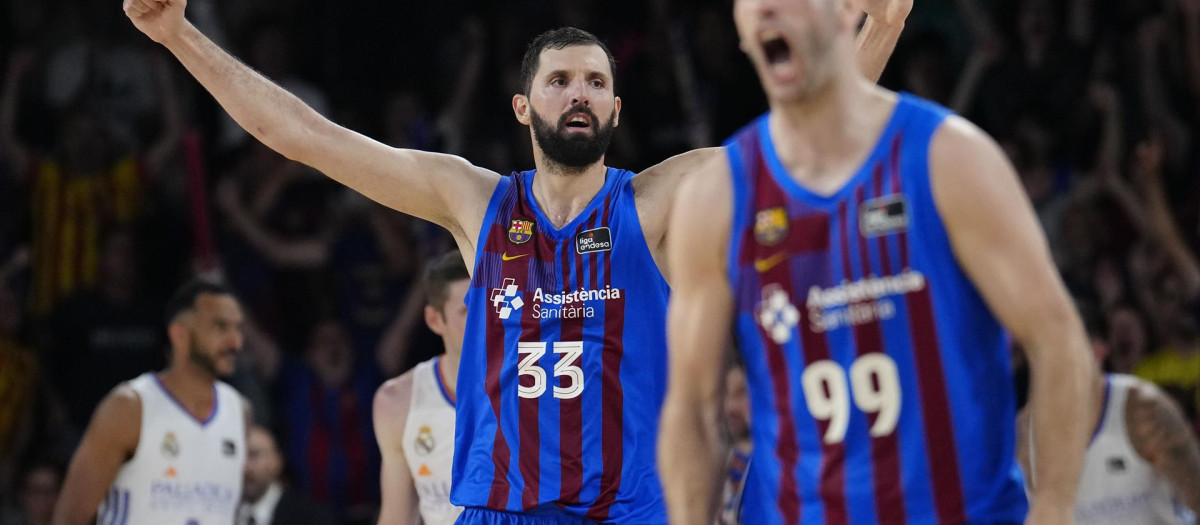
(1167, 233)
(172, 119)
(275, 117)
(875, 45)
(691, 453)
(1063, 411)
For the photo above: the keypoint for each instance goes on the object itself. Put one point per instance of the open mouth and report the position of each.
(776, 50)
(579, 121)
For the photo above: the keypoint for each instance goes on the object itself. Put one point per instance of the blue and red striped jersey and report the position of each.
(880, 382)
(563, 370)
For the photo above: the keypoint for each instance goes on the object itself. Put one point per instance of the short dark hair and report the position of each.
(442, 271)
(560, 38)
(184, 298)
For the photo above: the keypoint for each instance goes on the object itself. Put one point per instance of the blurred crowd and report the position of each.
(119, 177)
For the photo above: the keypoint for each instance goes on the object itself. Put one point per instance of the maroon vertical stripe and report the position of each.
(494, 337)
(613, 394)
(833, 458)
(768, 195)
(529, 457)
(885, 458)
(939, 430)
(539, 249)
(570, 410)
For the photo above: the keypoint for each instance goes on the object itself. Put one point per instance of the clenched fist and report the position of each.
(158, 19)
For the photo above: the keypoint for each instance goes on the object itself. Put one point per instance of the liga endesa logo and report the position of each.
(508, 299)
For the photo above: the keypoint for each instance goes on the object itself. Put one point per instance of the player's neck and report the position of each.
(821, 138)
(193, 388)
(448, 365)
(561, 193)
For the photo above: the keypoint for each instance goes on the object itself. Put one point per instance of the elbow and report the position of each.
(296, 139)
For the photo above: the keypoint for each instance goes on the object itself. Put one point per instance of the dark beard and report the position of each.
(576, 151)
(202, 360)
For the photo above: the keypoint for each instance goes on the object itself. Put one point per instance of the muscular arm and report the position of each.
(396, 483)
(439, 188)
(690, 446)
(998, 242)
(111, 438)
(1160, 435)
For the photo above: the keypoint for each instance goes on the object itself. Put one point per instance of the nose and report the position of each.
(579, 94)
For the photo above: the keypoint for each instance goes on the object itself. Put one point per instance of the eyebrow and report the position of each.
(564, 72)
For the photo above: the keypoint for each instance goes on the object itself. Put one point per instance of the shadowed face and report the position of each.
(213, 333)
(264, 465)
(449, 320)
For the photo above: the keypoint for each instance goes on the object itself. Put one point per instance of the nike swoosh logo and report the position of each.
(505, 257)
(762, 265)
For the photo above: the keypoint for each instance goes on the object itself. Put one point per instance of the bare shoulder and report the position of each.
(655, 187)
(117, 420)
(970, 175)
(959, 144)
(391, 402)
(664, 175)
(703, 208)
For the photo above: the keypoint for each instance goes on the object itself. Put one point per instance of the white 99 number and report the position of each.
(528, 365)
(875, 383)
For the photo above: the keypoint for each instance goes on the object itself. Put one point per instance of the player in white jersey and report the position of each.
(414, 413)
(1142, 466)
(168, 448)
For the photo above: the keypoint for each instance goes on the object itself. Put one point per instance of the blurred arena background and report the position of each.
(120, 177)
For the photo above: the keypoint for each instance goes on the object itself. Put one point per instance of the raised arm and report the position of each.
(691, 447)
(396, 483)
(1160, 435)
(111, 438)
(171, 134)
(877, 39)
(439, 188)
(997, 240)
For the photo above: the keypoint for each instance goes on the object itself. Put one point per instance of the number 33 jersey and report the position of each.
(880, 382)
(564, 361)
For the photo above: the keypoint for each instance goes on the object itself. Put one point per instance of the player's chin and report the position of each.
(226, 366)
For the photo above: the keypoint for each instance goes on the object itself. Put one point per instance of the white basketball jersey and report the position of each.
(429, 444)
(1117, 486)
(184, 471)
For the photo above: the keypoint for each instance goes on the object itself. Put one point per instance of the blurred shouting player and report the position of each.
(869, 251)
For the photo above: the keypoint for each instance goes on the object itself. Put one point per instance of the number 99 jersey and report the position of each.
(563, 369)
(880, 382)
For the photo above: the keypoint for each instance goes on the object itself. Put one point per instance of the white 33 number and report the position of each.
(531, 352)
(875, 384)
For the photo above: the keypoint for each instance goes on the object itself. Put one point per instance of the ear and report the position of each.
(617, 112)
(435, 321)
(177, 332)
(520, 104)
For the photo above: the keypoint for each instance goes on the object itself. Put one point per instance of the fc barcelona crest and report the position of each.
(520, 232)
(771, 226)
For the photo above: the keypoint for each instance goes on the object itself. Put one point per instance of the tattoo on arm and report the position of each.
(1161, 435)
